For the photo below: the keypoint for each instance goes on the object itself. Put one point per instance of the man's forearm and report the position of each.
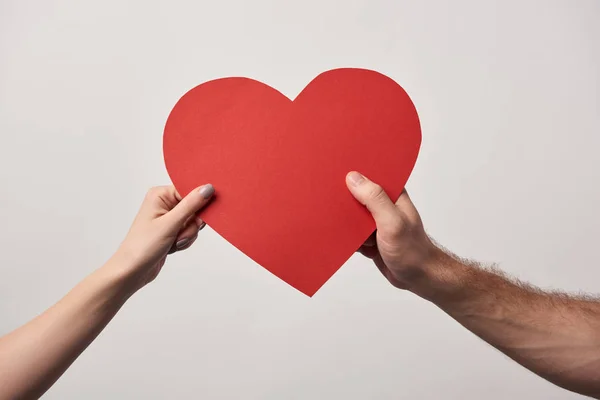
(35, 355)
(554, 335)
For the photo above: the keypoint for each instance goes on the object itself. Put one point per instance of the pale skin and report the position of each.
(553, 335)
(35, 355)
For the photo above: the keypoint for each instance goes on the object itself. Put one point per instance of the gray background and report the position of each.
(508, 95)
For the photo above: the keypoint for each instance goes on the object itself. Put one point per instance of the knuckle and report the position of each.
(155, 191)
(376, 198)
(396, 227)
(152, 191)
(393, 227)
(376, 193)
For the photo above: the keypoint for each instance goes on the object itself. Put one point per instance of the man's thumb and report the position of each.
(374, 198)
(189, 205)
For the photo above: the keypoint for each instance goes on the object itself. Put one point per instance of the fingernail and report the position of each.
(182, 243)
(202, 225)
(207, 191)
(355, 178)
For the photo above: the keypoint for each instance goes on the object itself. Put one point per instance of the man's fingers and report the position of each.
(369, 252)
(371, 240)
(188, 206)
(375, 199)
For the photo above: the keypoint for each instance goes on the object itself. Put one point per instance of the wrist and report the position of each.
(442, 277)
(122, 273)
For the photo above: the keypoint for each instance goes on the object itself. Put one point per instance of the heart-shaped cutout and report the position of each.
(279, 165)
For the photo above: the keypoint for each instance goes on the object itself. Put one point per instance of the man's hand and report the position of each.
(554, 335)
(166, 223)
(400, 247)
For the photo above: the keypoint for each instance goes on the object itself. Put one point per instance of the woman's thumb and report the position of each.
(189, 205)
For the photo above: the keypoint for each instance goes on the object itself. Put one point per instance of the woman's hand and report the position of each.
(166, 223)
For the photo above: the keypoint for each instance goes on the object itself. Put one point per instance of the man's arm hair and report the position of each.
(553, 334)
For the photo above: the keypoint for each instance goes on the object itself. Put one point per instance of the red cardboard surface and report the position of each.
(279, 166)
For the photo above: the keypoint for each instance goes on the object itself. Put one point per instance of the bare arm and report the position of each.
(554, 335)
(35, 355)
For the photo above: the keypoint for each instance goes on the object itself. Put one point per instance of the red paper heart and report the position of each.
(279, 166)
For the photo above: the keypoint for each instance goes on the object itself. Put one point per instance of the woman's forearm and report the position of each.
(554, 335)
(35, 355)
